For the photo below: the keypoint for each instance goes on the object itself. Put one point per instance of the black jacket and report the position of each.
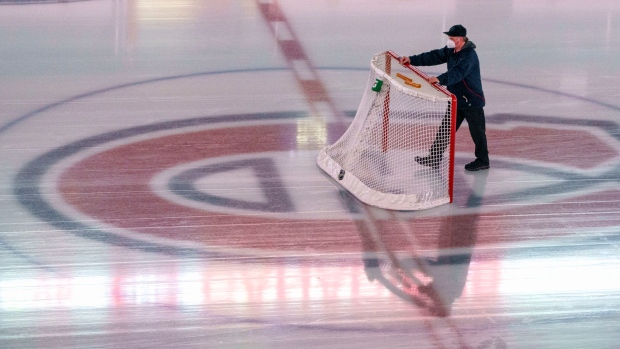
(463, 75)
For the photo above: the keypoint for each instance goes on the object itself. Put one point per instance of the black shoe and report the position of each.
(428, 161)
(477, 165)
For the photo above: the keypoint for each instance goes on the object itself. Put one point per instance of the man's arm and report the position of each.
(434, 57)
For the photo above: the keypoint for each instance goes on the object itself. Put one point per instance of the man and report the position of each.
(463, 80)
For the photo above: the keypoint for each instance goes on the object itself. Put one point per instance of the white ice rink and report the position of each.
(158, 184)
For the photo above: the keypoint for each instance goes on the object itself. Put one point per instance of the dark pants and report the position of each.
(477, 130)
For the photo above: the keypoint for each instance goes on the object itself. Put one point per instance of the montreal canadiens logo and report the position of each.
(208, 181)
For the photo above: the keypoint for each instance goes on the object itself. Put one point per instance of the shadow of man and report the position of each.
(432, 283)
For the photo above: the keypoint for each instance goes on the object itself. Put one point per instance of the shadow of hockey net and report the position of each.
(401, 116)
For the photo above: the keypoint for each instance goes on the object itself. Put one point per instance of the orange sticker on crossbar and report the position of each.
(408, 80)
(411, 83)
(403, 77)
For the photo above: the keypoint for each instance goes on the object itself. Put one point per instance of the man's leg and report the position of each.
(441, 141)
(477, 130)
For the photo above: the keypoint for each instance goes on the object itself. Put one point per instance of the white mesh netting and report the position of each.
(396, 152)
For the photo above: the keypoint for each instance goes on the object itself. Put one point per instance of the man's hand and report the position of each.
(433, 80)
(404, 60)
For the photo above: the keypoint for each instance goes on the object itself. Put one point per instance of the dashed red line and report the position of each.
(304, 71)
(315, 93)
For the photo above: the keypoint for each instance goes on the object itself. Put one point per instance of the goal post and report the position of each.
(398, 153)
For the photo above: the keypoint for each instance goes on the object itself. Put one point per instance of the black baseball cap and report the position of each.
(456, 30)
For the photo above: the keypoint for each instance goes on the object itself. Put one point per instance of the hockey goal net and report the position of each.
(398, 153)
